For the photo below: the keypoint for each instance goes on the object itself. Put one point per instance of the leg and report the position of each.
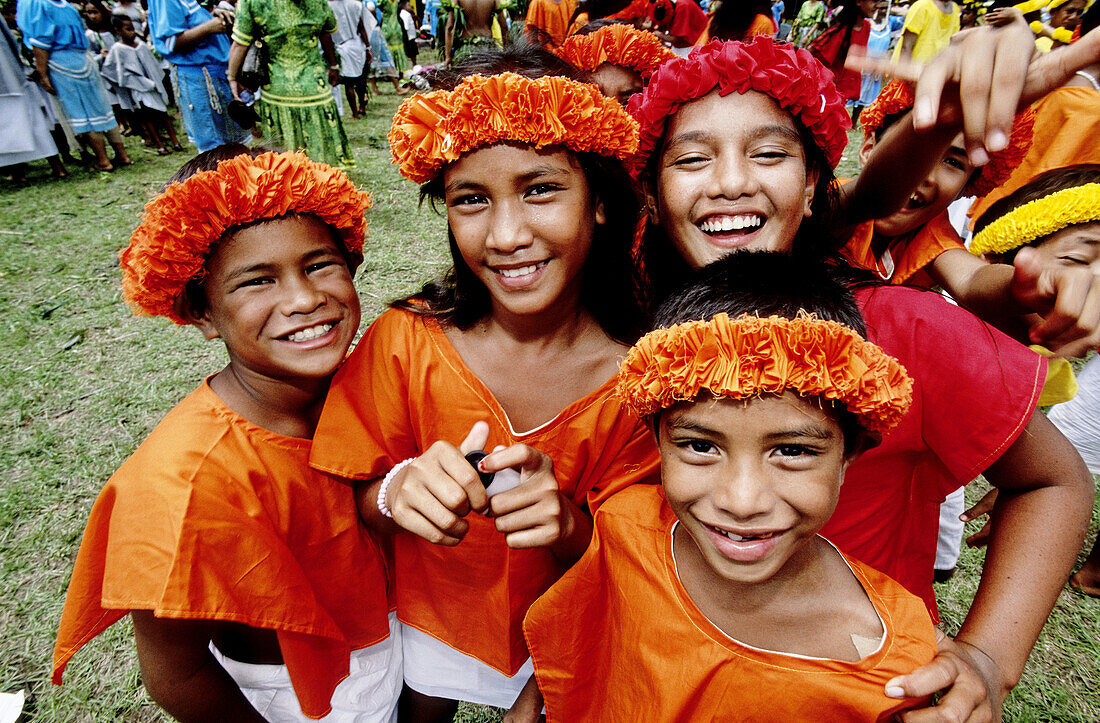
(115, 138)
(349, 93)
(1087, 579)
(419, 708)
(99, 148)
(166, 120)
(57, 167)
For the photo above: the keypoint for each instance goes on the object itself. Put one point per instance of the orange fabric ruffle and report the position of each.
(182, 223)
(618, 44)
(433, 129)
(895, 97)
(749, 356)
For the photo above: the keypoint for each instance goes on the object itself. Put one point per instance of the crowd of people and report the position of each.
(683, 431)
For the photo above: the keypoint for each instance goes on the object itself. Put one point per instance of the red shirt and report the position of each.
(975, 390)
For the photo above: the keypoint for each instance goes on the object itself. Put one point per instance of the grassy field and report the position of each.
(82, 382)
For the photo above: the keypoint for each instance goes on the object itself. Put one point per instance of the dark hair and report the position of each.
(522, 57)
(768, 283)
(595, 25)
(105, 17)
(1041, 186)
(732, 19)
(608, 277)
(1090, 19)
(118, 20)
(663, 268)
(194, 293)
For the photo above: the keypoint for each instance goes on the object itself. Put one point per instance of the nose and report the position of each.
(732, 177)
(747, 492)
(509, 229)
(301, 295)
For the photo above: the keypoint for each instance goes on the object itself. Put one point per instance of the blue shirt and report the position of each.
(51, 25)
(169, 18)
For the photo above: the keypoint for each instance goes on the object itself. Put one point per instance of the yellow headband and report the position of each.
(750, 356)
(1039, 218)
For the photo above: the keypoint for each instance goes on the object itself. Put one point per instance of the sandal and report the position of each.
(164, 151)
(177, 147)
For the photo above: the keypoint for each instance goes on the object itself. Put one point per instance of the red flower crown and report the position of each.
(433, 129)
(897, 96)
(800, 84)
(617, 44)
(183, 222)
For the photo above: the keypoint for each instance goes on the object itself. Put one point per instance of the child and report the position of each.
(407, 21)
(353, 46)
(764, 182)
(619, 57)
(718, 590)
(133, 68)
(247, 575)
(513, 351)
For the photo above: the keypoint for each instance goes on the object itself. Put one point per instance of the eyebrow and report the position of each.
(268, 266)
(813, 431)
(686, 425)
(758, 132)
(542, 170)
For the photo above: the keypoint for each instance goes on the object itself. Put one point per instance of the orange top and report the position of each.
(1067, 132)
(620, 633)
(405, 387)
(214, 518)
(761, 25)
(904, 263)
(551, 17)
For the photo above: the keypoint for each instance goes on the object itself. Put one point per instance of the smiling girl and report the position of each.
(761, 180)
(513, 351)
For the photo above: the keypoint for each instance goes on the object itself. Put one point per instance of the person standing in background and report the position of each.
(929, 25)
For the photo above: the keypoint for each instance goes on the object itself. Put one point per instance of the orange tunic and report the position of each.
(618, 638)
(1067, 132)
(903, 263)
(215, 518)
(405, 387)
(551, 17)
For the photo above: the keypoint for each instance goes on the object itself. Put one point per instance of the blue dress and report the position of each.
(55, 26)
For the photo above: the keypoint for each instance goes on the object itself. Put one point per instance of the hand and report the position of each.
(431, 495)
(534, 514)
(1067, 297)
(235, 88)
(967, 692)
(981, 509)
(225, 20)
(334, 75)
(44, 82)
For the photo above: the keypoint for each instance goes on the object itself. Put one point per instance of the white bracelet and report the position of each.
(386, 485)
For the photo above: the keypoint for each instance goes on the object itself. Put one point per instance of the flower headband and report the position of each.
(433, 129)
(1039, 218)
(617, 44)
(750, 355)
(897, 97)
(183, 222)
(800, 84)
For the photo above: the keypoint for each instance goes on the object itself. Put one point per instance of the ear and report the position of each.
(650, 195)
(201, 320)
(864, 442)
(812, 175)
(865, 149)
(600, 216)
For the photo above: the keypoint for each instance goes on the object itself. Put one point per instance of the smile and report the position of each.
(724, 224)
(915, 202)
(311, 333)
(516, 272)
(748, 548)
(746, 538)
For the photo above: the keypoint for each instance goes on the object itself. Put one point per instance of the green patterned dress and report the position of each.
(296, 107)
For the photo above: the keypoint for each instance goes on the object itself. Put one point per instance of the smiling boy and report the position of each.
(713, 593)
(234, 559)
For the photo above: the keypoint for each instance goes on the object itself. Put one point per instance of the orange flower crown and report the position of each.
(617, 44)
(750, 355)
(182, 223)
(433, 129)
(897, 96)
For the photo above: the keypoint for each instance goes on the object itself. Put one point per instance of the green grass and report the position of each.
(82, 382)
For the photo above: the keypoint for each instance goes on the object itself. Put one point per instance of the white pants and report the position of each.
(949, 542)
(436, 669)
(368, 695)
(1079, 418)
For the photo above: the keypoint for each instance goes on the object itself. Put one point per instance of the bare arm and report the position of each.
(908, 40)
(528, 705)
(448, 37)
(42, 68)
(236, 59)
(222, 22)
(181, 674)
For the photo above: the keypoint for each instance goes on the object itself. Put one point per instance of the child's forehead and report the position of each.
(734, 113)
(729, 415)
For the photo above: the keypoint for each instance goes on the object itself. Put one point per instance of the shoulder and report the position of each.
(633, 507)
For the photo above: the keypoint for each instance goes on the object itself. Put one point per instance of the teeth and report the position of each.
(737, 538)
(311, 333)
(522, 271)
(731, 223)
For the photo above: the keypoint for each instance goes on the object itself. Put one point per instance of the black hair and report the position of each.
(194, 293)
(595, 25)
(522, 57)
(768, 283)
(1090, 19)
(105, 18)
(664, 268)
(1041, 186)
(732, 19)
(118, 20)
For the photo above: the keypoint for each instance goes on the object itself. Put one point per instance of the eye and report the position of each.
(771, 155)
(955, 163)
(318, 265)
(795, 450)
(542, 189)
(689, 160)
(697, 446)
(1074, 261)
(255, 281)
(469, 199)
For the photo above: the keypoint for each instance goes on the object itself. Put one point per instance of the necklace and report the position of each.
(1090, 78)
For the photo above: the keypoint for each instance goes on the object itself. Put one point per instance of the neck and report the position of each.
(132, 42)
(563, 321)
(289, 407)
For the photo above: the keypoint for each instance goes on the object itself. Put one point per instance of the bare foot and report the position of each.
(104, 166)
(1084, 582)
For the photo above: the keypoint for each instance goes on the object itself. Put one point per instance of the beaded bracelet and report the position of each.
(386, 486)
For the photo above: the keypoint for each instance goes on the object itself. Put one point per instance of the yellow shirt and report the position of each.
(932, 27)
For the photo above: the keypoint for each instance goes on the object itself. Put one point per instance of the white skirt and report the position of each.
(368, 695)
(436, 669)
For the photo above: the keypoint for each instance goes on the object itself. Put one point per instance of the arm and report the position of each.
(222, 22)
(328, 50)
(448, 37)
(528, 705)
(908, 40)
(42, 69)
(236, 60)
(182, 675)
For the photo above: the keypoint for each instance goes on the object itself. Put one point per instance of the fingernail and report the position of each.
(996, 141)
(923, 114)
(895, 691)
(979, 157)
(964, 518)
